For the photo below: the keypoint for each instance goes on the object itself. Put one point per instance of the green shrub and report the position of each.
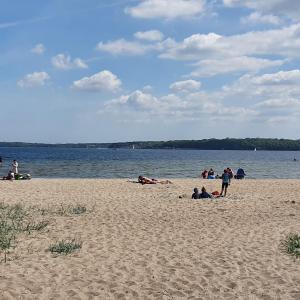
(79, 209)
(291, 245)
(65, 247)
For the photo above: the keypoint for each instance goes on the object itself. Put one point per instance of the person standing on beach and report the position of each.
(225, 182)
(14, 167)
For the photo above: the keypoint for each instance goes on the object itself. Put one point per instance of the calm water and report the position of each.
(125, 163)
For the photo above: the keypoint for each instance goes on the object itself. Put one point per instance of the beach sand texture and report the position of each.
(144, 242)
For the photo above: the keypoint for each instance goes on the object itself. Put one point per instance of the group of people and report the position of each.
(210, 174)
(13, 172)
(226, 178)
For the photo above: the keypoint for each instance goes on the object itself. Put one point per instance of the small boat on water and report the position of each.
(254, 149)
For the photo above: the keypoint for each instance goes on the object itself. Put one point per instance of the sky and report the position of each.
(132, 70)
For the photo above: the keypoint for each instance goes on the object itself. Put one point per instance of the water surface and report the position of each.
(128, 163)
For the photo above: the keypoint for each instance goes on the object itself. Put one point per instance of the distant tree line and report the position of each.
(205, 144)
(217, 144)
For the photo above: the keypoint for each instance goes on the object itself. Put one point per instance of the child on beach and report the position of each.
(225, 182)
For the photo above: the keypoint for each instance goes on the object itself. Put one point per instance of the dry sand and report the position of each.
(144, 242)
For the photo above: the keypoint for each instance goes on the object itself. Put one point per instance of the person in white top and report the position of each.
(14, 167)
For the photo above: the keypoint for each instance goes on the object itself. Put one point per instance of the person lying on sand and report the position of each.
(146, 180)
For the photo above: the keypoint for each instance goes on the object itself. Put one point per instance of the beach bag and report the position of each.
(215, 193)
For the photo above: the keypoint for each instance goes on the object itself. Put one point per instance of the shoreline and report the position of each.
(159, 178)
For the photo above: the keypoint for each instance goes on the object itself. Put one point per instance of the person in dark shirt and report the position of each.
(230, 172)
(195, 194)
(225, 182)
(240, 174)
(204, 194)
(211, 172)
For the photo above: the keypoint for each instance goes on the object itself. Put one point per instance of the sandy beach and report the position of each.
(146, 242)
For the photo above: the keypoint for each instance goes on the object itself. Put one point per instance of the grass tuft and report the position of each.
(291, 245)
(65, 247)
(70, 209)
(79, 209)
(14, 220)
(36, 226)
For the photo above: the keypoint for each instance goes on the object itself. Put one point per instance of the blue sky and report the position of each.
(105, 71)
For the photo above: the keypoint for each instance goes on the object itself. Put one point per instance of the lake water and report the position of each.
(127, 163)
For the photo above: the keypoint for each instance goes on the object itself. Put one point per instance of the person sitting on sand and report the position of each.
(240, 174)
(195, 194)
(10, 176)
(204, 194)
(146, 180)
(211, 172)
(225, 182)
(230, 172)
(204, 174)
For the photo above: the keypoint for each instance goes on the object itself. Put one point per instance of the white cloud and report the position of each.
(101, 82)
(289, 8)
(138, 100)
(257, 18)
(284, 41)
(252, 100)
(272, 95)
(185, 86)
(212, 67)
(168, 9)
(283, 78)
(151, 35)
(34, 80)
(123, 47)
(147, 88)
(289, 103)
(38, 49)
(189, 106)
(64, 62)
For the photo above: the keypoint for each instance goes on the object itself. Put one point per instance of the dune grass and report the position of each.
(291, 245)
(14, 220)
(65, 246)
(17, 219)
(76, 209)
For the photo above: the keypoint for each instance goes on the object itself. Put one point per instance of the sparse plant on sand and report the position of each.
(71, 209)
(65, 247)
(62, 210)
(291, 245)
(15, 219)
(38, 226)
(7, 237)
(79, 209)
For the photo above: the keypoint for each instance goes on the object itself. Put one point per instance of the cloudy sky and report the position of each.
(125, 70)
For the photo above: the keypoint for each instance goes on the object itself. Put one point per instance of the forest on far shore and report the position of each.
(204, 144)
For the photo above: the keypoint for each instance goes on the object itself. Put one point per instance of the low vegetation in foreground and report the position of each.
(17, 219)
(65, 247)
(291, 245)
